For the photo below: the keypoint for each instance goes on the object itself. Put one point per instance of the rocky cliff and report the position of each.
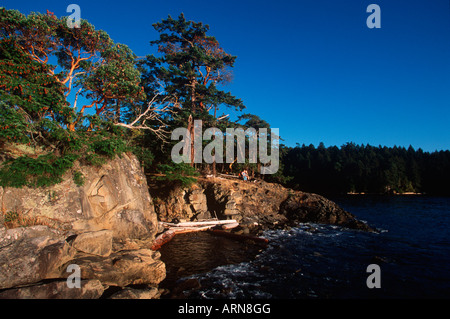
(104, 227)
(256, 205)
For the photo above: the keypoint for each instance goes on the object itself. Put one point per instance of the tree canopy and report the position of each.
(69, 94)
(76, 94)
(85, 59)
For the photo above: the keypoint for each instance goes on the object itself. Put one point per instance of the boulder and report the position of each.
(95, 243)
(306, 207)
(134, 267)
(31, 254)
(130, 293)
(89, 289)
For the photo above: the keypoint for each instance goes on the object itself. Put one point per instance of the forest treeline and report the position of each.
(366, 169)
(73, 94)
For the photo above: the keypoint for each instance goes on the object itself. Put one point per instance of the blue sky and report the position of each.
(313, 68)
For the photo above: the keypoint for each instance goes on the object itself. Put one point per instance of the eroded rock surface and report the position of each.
(104, 227)
(258, 205)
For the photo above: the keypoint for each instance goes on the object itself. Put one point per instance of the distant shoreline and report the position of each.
(388, 194)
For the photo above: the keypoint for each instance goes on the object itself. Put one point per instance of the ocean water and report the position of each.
(412, 250)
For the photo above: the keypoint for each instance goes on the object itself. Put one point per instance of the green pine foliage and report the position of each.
(193, 67)
(180, 174)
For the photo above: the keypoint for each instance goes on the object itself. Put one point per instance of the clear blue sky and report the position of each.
(313, 68)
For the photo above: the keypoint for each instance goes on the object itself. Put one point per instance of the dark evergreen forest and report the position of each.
(366, 169)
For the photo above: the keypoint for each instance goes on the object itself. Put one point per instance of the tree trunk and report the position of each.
(190, 129)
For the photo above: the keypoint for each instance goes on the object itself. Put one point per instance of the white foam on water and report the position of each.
(270, 267)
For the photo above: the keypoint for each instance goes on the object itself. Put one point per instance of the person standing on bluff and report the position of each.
(244, 175)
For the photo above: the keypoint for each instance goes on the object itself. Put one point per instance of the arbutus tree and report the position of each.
(34, 107)
(87, 59)
(42, 63)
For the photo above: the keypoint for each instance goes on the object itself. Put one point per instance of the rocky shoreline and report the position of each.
(257, 205)
(107, 226)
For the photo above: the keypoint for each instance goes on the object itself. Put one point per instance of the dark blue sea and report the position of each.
(411, 248)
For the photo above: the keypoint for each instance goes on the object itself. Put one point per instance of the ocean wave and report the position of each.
(283, 261)
(232, 281)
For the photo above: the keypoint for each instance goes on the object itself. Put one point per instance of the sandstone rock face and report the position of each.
(104, 227)
(95, 243)
(186, 204)
(114, 196)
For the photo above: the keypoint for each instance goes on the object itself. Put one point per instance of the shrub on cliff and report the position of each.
(177, 174)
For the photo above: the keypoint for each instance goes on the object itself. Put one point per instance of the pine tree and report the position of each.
(190, 70)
